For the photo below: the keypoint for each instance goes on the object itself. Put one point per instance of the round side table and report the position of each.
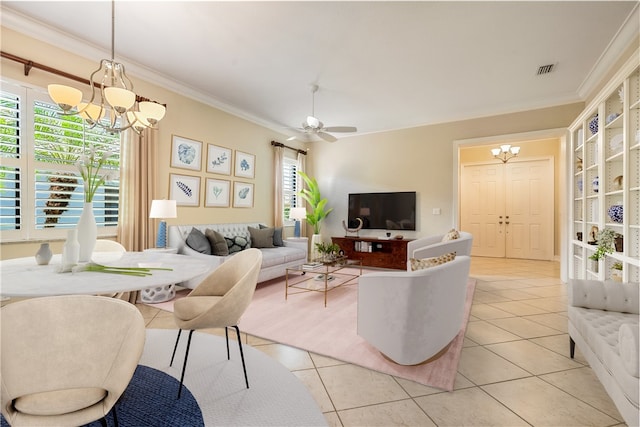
(158, 294)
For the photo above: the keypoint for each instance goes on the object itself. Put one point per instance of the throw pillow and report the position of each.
(420, 264)
(218, 243)
(237, 243)
(261, 238)
(277, 235)
(451, 235)
(197, 241)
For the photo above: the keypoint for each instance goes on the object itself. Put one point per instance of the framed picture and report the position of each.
(186, 153)
(242, 194)
(184, 189)
(218, 159)
(245, 165)
(217, 193)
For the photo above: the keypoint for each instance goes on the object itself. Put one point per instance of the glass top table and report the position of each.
(319, 276)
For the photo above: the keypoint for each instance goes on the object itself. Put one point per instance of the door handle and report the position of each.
(500, 222)
(506, 222)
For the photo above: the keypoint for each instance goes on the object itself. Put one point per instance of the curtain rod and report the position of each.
(28, 65)
(280, 144)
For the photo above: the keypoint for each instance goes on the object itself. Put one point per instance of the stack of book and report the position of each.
(311, 265)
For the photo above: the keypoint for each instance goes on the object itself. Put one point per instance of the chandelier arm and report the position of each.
(123, 76)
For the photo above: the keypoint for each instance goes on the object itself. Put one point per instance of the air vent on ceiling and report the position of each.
(545, 69)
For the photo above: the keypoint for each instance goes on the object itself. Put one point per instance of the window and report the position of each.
(41, 191)
(289, 188)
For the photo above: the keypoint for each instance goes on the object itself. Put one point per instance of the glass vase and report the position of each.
(87, 232)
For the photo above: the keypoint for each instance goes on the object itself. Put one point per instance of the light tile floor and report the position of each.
(514, 369)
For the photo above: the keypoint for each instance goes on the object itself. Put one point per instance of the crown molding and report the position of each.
(626, 35)
(50, 35)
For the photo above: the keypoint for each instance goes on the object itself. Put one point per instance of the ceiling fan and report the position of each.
(313, 125)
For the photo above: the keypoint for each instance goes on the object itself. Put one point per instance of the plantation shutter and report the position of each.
(289, 187)
(10, 167)
(58, 142)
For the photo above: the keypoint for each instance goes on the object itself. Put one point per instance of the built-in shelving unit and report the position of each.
(605, 142)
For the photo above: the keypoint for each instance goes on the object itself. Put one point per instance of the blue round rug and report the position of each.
(151, 400)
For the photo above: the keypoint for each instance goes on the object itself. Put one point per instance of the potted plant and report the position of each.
(605, 241)
(317, 208)
(328, 252)
(616, 273)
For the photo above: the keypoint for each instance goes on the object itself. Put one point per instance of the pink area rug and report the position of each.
(302, 321)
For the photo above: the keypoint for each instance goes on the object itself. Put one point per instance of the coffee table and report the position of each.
(322, 277)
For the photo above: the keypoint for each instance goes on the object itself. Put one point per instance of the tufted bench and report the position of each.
(603, 322)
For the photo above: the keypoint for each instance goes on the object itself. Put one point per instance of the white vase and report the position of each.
(71, 249)
(87, 232)
(44, 254)
(316, 238)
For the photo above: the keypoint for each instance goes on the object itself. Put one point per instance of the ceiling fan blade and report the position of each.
(341, 129)
(327, 137)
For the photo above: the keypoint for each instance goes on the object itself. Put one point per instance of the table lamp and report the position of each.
(297, 214)
(163, 209)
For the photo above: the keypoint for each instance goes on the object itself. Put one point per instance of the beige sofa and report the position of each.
(275, 260)
(603, 323)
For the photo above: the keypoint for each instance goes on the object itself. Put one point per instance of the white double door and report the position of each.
(508, 207)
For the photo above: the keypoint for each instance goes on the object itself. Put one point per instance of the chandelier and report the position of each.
(505, 152)
(111, 95)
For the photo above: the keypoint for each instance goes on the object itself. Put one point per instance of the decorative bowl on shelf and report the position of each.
(593, 125)
(616, 213)
(615, 144)
(611, 117)
(580, 185)
(595, 184)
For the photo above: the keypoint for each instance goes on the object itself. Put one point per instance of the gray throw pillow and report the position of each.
(261, 238)
(277, 235)
(198, 242)
(218, 243)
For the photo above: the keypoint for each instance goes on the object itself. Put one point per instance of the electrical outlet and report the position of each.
(436, 211)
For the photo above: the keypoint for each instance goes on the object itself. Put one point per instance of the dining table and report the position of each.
(23, 277)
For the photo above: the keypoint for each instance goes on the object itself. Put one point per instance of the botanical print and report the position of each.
(217, 193)
(184, 189)
(245, 164)
(186, 153)
(218, 159)
(242, 194)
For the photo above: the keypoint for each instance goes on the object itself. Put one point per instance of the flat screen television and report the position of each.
(384, 211)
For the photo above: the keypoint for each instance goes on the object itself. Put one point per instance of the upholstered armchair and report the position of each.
(66, 360)
(411, 316)
(433, 246)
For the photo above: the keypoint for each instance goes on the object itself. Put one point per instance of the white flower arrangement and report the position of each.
(90, 166)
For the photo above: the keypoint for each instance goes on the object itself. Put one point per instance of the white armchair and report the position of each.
(432, 246)
(412, 316)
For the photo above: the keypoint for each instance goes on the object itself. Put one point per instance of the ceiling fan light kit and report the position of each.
(313, 125)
